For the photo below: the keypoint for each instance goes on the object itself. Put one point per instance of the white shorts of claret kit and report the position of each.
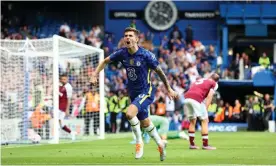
(61, 115)
(195, 109)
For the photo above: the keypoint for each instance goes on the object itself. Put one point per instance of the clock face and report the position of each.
(161, 15)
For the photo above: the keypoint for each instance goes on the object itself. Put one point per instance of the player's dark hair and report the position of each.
(130, 29)
(63, 75)
(215, 77)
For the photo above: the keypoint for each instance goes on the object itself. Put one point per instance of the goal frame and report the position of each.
(56, 40)
(56, 58)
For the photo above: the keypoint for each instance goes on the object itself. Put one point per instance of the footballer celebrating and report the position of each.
(139, 64)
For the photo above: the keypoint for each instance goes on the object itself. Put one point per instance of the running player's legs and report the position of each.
(143, 102)
(61, 116)
(131, 115)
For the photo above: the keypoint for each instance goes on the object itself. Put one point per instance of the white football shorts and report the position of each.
(61, 115)
(196, 109)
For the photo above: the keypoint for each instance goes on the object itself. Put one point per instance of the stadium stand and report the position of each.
(183, 59)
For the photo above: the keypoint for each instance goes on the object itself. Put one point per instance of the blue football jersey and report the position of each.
(138, 67)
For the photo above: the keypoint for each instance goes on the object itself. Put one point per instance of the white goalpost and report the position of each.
(29, 107)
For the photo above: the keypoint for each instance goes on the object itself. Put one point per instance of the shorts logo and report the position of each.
(138, 63)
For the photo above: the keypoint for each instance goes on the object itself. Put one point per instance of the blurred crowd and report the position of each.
(182, 58)
(256, 111)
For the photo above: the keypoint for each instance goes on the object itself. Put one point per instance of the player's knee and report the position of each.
(129, 115)
(193, 121)
(145, 123)
(205, 121)
(131, 112)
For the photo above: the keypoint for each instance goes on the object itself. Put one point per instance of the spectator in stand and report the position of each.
(240, 70)
(25, 32)
(224, 113)
(87, 41)
(124, 102)
(228, 111)
(175, 35)
(149, 36)
(121, 43)
(119, 84)
(264, 61)
(206, 68)
(82, 36)
(212, 56)
(164, 43)
(192, 72)
(247, 67)
(65, 28)
(170, 107)
(235, 67)
(256, 106)
(249, 109)
(199, 47)
(73, 35)
(147, 44)
(189, 34)
(212, 109)
(109, 46)
(268, 108)
(62, 33)
(163, 64)
(91, 103)
(114, 110)
(160, 107)
(236, 114)
(257, 113)
(133, 24)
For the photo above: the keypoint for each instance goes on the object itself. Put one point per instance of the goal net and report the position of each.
(30, 91)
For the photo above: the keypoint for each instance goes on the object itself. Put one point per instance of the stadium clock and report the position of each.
(161, 15)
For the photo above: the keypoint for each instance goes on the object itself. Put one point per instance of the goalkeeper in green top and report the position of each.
(162, 123)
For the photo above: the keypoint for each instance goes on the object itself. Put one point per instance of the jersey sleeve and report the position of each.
(69, 90)
(216, 87)
(152, 61)
(116, 56)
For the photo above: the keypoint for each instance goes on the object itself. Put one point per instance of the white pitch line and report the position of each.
(154, 164)
(69, 142)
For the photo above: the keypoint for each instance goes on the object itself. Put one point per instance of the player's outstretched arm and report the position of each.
(171, 93)
(101, 66)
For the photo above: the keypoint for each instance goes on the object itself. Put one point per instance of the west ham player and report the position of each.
(65, 95)
(139, 63)
(197, 100)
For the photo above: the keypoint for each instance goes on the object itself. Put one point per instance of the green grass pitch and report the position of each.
(248, 148)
